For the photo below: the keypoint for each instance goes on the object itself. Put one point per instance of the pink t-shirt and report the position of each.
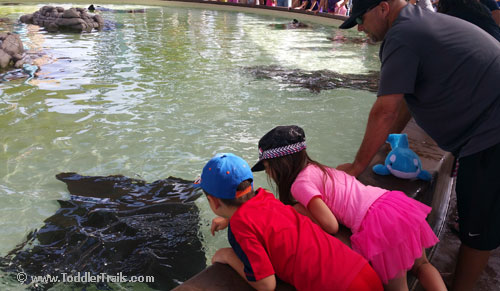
(347, 198)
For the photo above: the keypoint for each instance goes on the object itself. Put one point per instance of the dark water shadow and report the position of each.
(116, 224)
(316, 81)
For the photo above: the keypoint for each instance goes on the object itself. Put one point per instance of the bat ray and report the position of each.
(115, 224)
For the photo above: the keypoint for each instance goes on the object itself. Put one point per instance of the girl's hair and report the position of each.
(284, 170)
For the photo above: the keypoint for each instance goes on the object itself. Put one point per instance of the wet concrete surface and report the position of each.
(445, 255)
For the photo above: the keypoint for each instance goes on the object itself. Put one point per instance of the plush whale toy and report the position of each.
(401, 161)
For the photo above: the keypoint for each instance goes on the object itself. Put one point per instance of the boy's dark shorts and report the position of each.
(478, 199)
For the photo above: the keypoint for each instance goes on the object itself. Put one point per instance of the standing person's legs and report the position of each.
(470, 265)
(478, 202)
(282, 3)
(349, 8)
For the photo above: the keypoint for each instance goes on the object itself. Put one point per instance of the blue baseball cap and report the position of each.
(222, 175)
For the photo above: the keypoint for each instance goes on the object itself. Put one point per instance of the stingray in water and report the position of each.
(317, 80)
(116, 225)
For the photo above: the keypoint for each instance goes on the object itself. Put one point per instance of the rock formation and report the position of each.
(56, 19)
(11, 50)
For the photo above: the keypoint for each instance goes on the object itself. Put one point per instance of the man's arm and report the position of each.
(389, 114)
(496, 16)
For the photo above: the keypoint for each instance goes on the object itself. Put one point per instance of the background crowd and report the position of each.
(478, 12)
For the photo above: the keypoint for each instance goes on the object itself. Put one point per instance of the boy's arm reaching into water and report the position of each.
(219, 223)
(228, 256)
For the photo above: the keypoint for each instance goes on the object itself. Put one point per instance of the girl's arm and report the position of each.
(302, 210)
(322, 215)
(228, 256)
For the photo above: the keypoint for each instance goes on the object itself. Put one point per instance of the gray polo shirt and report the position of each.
(449, 71)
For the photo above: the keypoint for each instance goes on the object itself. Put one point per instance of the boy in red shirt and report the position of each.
(270, 240)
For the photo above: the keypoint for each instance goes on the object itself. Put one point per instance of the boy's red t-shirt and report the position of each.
(271, 238)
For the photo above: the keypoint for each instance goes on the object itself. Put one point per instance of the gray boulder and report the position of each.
(57, 19)
(12, 44)
(11, 49)
(71, 13)
(5, 59)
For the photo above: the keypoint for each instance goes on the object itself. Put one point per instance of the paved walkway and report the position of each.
(446, 252)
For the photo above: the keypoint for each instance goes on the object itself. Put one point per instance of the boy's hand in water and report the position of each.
(219, 223)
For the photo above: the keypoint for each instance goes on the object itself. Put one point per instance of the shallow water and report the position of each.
(159, 95)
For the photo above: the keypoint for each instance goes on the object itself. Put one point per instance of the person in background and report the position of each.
(298, 4)
(340, 7)
(270, 3)
(282, 3)
(494, 8)
(269, 239)
(313, 5)
(444, 71)
(472, 11)
(424, 4)
(321, 7)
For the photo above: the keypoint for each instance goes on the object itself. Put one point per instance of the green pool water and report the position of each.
(158, 96)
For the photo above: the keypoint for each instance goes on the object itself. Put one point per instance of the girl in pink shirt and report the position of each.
(388, 228)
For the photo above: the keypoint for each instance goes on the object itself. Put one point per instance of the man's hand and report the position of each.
(350, 169)
(389, 114)
(219, 223)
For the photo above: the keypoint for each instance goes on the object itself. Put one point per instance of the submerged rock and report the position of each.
(116, 225)
(317, 80)
(56, 18)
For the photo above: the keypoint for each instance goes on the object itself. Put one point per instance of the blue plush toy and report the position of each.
(401, 161)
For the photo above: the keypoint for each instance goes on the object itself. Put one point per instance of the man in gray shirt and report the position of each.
(445, 73)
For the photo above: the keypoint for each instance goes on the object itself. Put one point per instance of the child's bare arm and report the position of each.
(228, 256)
(219, 223)
(323, 216)
(302, 210)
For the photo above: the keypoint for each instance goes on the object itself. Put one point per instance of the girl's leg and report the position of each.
(397, 284)
(427, 274)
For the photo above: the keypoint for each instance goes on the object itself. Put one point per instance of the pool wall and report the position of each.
(320, 18)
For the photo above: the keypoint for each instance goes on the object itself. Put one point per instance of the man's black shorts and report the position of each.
(478, 199)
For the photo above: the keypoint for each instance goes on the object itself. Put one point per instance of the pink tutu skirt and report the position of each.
(393, 234)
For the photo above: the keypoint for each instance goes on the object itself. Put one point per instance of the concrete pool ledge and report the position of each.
(436, 194)
(302, 15)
